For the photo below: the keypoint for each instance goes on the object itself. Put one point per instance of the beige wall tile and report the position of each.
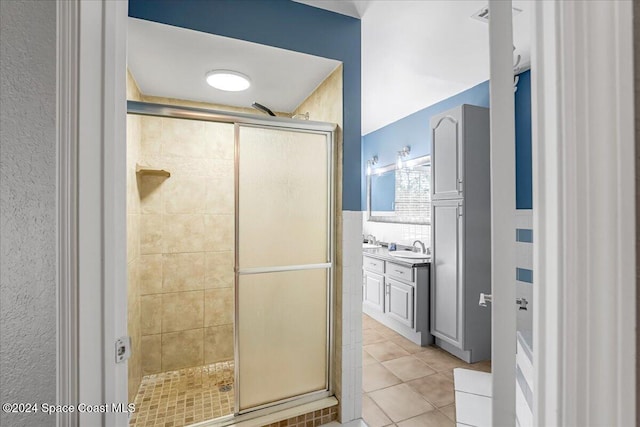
(182, 349)
(218, 343)
(183, 233)
(151, 193)
(151, 238)
(182, 138)
(219, 231)
(151, 354)
(151, 274)
(133, 236)
(219, 140)
(182, 311)
(219, 306)
(151, 314)
(183, 272)
(220, 168)
(219, 269)
(219, 198)
(151, 142)
(184, 195)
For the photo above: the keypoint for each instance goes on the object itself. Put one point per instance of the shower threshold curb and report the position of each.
(285, 414)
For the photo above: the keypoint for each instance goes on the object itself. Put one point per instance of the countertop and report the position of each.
(383, 254)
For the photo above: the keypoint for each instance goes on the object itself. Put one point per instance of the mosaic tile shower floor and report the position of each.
(184, 397)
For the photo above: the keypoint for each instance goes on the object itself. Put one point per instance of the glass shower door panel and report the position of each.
(283, 197)
(282, 343)
(283, 264)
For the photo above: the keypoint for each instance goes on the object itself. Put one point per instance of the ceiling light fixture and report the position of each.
(228, 80)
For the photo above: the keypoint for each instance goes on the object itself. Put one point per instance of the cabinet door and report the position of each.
(399, 302)
(446, 155)
(446, 281)
(374, 290)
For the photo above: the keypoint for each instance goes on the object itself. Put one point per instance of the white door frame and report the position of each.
(584, 213)
(92, 283)
(579, 380)
(503, 205)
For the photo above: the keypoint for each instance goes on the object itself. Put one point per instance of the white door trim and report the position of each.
(92, 282)
(584, 216)
(67, 220)
(503, 203)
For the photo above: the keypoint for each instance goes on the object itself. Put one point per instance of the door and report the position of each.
(399, 302)
(446, 263)
(374, 291)
(446, 155)
(283, 264)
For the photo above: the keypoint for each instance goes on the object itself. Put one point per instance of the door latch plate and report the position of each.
(123, 349)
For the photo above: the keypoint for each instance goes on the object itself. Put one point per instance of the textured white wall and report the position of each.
(27, 207)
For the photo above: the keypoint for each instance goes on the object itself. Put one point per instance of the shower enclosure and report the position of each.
(283, 254)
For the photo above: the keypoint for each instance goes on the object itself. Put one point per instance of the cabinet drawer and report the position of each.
(373, 264)
(401, 272)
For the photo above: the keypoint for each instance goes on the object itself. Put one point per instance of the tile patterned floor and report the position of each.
(186, 396)
(406, 385)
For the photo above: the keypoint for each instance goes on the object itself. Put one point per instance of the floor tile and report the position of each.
(394, 388)
(400, 402)
(376, 376)
(484, 366)
(387, 332)
(368, 359)
(386, 350)
(409, 346)
(368, 322)
(439, 360)
(372, 414)
(437, 389)
(408, 368)
(430, 419)
(449, 411)
(371, 336)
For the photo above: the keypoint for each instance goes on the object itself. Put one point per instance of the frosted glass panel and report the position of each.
(283, 205)
(282, 335)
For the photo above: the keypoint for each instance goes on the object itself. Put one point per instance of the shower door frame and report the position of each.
(273, 123)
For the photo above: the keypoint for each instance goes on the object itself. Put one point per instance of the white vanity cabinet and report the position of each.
(396, 294)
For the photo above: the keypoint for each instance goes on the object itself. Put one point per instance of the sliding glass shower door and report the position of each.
(283, 263)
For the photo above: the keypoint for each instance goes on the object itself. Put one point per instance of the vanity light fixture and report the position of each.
(402, 154)
(372, 162)
(228, 80)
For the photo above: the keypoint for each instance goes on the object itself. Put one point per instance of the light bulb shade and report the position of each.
(228, 80)
(399, 163)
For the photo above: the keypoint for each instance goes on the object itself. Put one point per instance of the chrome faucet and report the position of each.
(372, 239)
(424, 249)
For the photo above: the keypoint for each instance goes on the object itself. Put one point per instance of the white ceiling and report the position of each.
(414, 53)
(172, 62)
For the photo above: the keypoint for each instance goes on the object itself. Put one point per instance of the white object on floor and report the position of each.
(473, 397)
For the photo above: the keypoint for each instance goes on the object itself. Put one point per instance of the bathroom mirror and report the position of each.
(400, 195)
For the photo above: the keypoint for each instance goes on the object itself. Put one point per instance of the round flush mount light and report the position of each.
(228, 80)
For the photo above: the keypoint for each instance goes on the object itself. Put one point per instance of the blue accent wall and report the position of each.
(287, 25)
(524, 168)
(414, 130)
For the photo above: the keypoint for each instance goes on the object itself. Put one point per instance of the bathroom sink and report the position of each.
(370, 246)
(409, 254)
